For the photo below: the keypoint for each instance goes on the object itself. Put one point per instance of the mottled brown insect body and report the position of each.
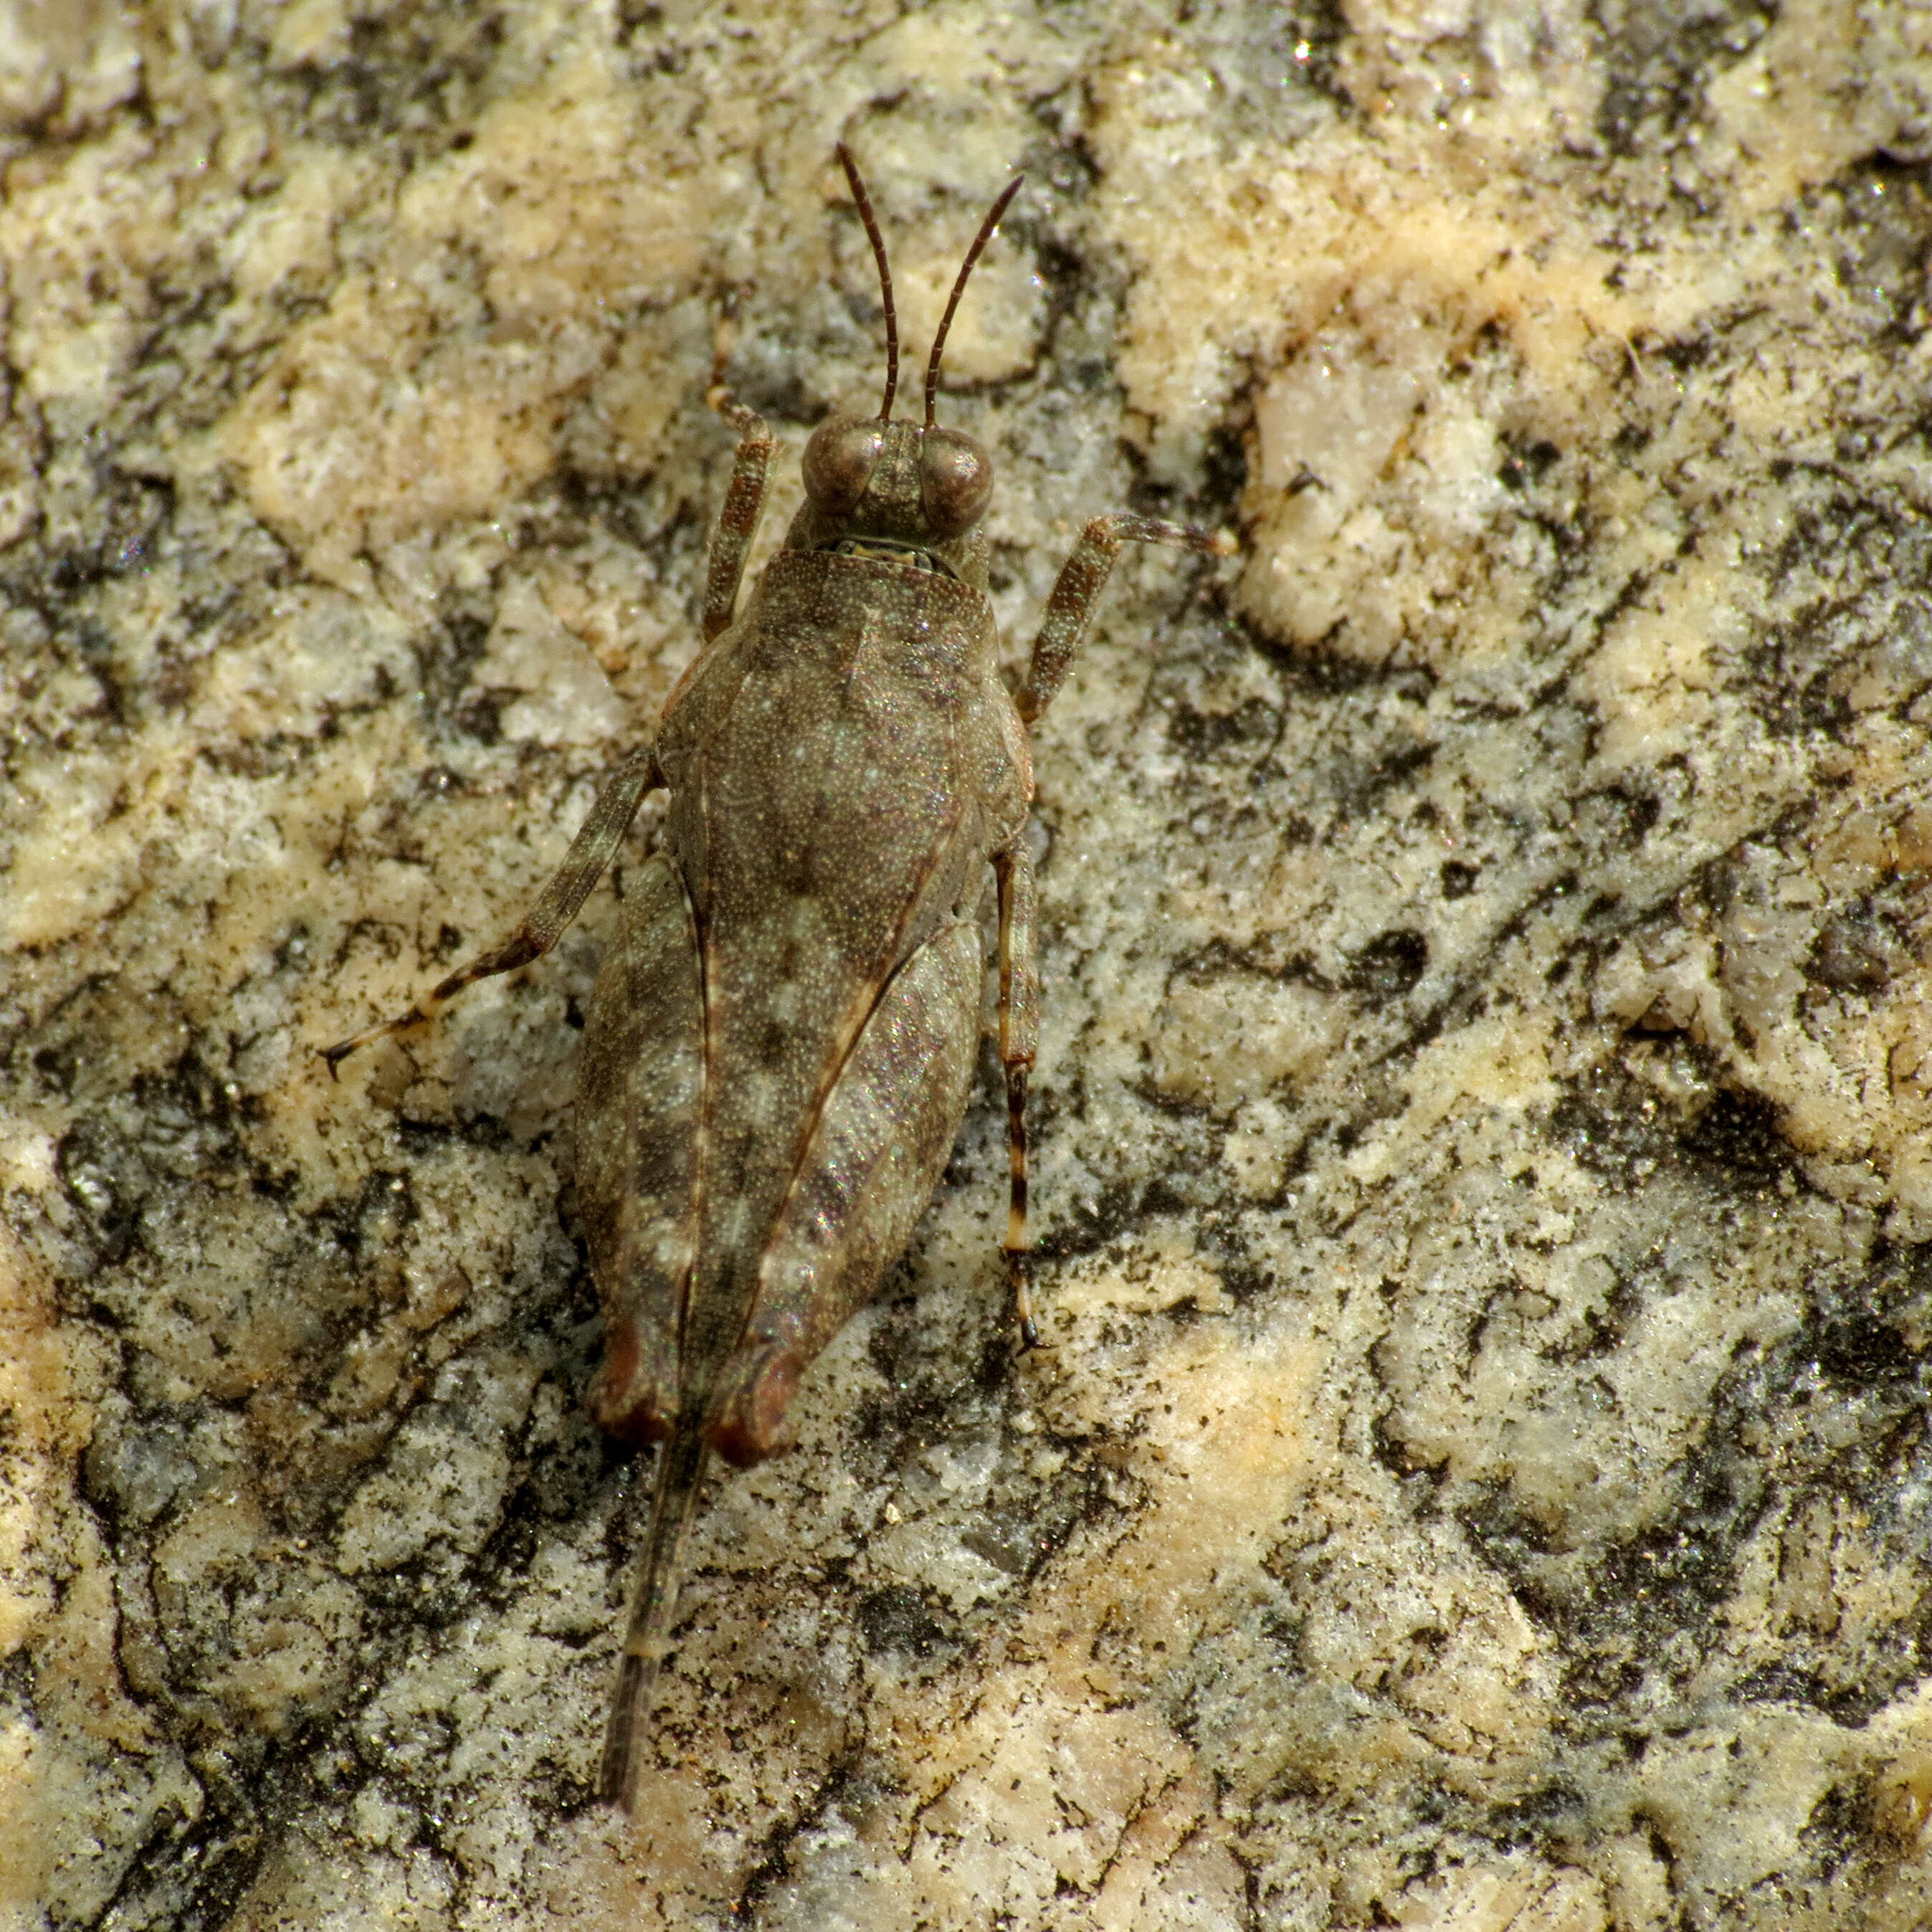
(780, 1049)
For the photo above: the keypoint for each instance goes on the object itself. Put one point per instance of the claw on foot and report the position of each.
(336, 1054)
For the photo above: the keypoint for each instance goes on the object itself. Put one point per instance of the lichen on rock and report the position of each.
(1483, 1134)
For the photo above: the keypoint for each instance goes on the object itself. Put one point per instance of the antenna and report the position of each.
(878, 242)
(979, 240)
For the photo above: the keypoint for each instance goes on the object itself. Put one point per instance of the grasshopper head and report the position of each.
(889, 490)
(868, 478)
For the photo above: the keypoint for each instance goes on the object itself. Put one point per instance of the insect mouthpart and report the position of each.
(888, 550)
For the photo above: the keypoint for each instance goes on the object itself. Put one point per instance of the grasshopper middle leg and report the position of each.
(1019, 1041)
(1069, 611)
(590, 852)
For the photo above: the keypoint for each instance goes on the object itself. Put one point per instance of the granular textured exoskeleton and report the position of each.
(781, 1045)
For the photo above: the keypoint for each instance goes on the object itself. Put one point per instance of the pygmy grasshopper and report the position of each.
(781, 1044)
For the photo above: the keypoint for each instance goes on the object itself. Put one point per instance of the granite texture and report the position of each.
(1478, 1476)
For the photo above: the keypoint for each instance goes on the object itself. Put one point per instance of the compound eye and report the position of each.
(838, 462)
(955, 481)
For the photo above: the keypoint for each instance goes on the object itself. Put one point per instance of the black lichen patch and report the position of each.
(900, 1620)
(171, 1129)
(1824, 1426)
(1884, 202)
(1662, 61)
(1621, 1129)
(1737, 1136)
(1391, 964)
(416, 77)
(1233, 734)
(1857, 952)
(1862, 554)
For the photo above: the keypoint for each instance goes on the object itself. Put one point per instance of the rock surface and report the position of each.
(1479, 1475)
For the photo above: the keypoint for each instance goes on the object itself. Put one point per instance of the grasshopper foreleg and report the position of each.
(744, 504)
(1077, 590)
(1019, 1041)
(591, 851)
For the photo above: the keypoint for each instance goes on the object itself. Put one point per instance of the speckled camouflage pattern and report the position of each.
(781, 1044)
(843, 762)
